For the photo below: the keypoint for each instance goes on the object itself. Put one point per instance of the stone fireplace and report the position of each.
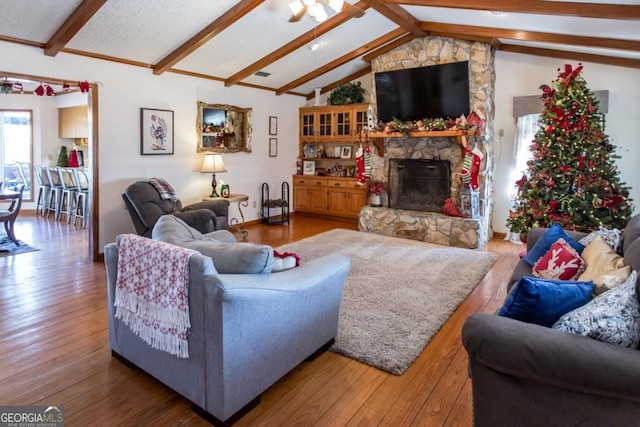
(418, 184)
(424, 223)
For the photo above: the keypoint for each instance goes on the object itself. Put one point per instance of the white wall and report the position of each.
(125, 89)
(522, 75)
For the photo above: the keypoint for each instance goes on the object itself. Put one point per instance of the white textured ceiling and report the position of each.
(145, 31)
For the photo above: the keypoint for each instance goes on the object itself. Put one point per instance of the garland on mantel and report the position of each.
(428, 125)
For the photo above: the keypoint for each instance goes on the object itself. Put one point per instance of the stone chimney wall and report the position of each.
(440, 50)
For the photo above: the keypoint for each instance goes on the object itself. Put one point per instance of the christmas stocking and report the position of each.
(360, 167)
(475, 168)
(367, 162)
(465, 172)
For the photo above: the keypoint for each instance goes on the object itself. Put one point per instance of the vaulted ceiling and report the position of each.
(252, 42)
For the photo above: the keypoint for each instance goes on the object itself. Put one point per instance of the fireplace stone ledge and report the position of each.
(429, 227)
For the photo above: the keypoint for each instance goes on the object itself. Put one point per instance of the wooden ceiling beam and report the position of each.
(564, 54)
(74, 23)
(540, 7)
(210, 31)
(350, 77)
(397, 14)
(342, 60)
(531, 36)
(325, 27)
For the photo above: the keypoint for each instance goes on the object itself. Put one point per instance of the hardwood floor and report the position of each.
(55, 351)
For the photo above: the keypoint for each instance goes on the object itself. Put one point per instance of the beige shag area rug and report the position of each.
(398, 293)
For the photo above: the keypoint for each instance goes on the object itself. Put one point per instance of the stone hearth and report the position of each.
(430, 227)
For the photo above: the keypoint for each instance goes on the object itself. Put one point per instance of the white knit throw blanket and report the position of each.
(152, 292)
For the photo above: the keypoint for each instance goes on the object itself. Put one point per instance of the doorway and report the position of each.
(91, 159)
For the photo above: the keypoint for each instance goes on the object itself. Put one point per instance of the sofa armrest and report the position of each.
(202, 220)
(547, 356)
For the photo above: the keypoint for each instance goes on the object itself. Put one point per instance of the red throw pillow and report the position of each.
(561, 262)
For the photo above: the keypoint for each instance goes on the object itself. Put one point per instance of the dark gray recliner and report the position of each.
(145, 206)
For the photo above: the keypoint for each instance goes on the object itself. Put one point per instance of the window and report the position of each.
(16, 149)
(526, 128)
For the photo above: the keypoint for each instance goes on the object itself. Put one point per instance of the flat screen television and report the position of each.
(424, 92)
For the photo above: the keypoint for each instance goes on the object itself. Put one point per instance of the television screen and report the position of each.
(424, 92)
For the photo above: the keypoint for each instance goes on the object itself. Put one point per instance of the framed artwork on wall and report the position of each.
(273, 125)
(156, 131)
(273, 147)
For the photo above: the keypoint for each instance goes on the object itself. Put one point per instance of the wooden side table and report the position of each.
(243, 201)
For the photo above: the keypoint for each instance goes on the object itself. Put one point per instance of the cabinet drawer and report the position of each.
(336, 183)
(299, 180)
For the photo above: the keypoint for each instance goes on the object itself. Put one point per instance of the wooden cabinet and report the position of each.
(330, 137)
(336, 196)
(73, 122)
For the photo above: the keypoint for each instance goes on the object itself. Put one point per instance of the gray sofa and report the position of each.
(247, 330)
(145, 206)
(529, 375)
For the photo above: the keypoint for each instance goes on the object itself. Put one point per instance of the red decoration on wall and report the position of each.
(84, 86)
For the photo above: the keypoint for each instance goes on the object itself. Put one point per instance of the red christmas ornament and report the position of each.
(550, 183)
(84, 86)
(66, 87)
(553, 205)
(39, 90)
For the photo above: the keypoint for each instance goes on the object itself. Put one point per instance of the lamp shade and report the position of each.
(213, 163)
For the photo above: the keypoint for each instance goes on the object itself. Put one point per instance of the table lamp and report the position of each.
(213, 163)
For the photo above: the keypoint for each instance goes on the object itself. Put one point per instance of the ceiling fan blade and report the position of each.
(356, 12)
(296, 17)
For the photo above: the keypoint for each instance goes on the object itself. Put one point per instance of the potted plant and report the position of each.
(348, 93)
(375, 190)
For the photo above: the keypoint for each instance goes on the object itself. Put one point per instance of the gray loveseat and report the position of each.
(529, 375)
(247, 330)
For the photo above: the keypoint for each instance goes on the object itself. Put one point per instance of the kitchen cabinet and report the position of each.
(73, 122)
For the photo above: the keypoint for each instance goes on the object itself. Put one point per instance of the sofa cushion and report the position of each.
(544, 243)
(543, 301)
(604, 266)
(560, 262)
(228, 258)
(612, 238)
(612, 317)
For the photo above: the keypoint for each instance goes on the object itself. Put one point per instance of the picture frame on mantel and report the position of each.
(156, 131)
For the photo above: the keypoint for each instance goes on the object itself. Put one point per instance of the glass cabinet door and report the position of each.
(343, 123)
(307, 125)
(324, 124)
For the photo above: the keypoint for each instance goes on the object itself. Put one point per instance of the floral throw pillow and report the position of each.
(561, 262)
(611, 237)
(612, 317)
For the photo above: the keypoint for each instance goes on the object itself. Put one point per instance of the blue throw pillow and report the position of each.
(545, 242)
(543, 301)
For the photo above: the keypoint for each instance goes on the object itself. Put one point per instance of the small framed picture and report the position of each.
(312, 150)
(273, 147)
(273, 125)
(337, 152)
(156, 131)
(309, 167)
(346, 152)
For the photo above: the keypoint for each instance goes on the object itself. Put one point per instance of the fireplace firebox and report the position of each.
(419, 184)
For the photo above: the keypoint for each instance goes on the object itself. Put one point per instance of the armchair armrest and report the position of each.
(542, 355)
(219, 207)
(202, 220)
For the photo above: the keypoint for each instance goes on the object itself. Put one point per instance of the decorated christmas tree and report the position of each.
(572, 178)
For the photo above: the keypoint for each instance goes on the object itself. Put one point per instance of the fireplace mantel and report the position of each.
(459, 135)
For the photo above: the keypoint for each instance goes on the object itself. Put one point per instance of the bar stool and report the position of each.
(82, 201)
(69, 192)
(55, 195)
(44, 186)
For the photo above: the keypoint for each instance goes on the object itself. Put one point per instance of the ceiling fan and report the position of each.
(317, 10)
